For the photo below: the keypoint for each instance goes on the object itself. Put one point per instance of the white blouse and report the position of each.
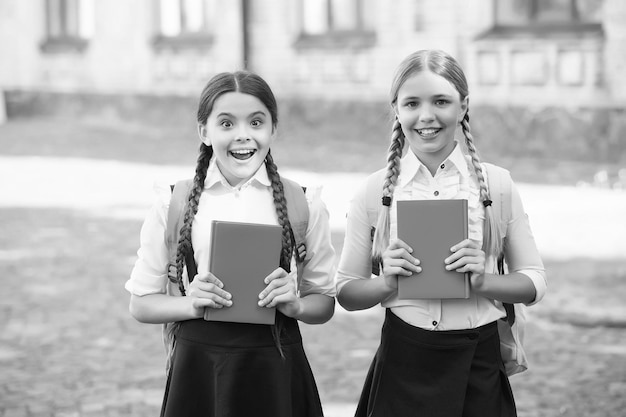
(251, 202)
(454, 179)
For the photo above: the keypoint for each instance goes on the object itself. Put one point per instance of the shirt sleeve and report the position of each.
(318, 276)
(149, 274)
(520, 250)
(356, 259)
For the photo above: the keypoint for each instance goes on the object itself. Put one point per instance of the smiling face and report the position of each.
(240, 129)
(429, 108)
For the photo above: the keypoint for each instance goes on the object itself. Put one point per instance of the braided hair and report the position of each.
(444, 65)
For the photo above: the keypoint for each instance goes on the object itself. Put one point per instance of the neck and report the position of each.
(432, 161)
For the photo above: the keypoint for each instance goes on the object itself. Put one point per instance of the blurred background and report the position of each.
(98, 101)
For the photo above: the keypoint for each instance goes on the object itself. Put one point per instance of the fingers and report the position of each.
(397, 260)
(467, 256)
(281, 288)
(207, 292)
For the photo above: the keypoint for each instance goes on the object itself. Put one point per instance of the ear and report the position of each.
(204, 134)
(463, 109)
(394, 108)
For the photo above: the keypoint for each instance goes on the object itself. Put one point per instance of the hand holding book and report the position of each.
(467, 257)
(280, 293)
(206, 291)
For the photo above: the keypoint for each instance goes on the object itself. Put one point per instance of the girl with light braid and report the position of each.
(437, 357)
(222, 368)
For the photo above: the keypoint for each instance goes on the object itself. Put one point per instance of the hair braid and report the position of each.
(281, 211)
(283, 220)
(492, 241)
(184, 241)
(394, 154)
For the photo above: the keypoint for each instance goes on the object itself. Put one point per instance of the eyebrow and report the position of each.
(436, 96)
(258, 112)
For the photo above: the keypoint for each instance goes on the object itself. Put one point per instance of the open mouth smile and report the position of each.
(428, 132)
(242, 154)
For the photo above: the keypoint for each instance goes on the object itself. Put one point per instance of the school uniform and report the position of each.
(439, 357)
(235, 369)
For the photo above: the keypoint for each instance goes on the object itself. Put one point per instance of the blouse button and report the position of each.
(436, 193)
(435, 323)
(442, 166)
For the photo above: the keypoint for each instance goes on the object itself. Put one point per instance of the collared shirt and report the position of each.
(252, 202)
(454, 179)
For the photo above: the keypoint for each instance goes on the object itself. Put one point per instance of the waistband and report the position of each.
(225, 334)
(396, 327)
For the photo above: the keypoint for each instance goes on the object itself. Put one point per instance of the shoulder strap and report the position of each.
(298, 212)
(499, 182)
(175, 215)
(374, 194)
(373, 197)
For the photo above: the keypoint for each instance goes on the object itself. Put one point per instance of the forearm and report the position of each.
(160, 308)
(361, 294)
(510, 288)
(315, 309)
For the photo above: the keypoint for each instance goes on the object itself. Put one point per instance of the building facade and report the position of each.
(546, 76)
(549, 52)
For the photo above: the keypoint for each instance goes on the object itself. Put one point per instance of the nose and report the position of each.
(426, 113)
(242, 134)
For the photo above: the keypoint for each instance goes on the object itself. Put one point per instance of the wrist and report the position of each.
(480, 283)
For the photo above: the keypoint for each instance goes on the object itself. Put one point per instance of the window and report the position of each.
(553, 13)
(69, 25)
(337, 22)
(184, 23)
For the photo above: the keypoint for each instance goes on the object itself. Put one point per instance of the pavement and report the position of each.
(568, 222)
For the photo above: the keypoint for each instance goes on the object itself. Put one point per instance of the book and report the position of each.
(241, 256)
(431, 228)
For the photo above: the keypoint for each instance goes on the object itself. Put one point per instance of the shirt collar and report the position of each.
(214, 176)
(411, 165)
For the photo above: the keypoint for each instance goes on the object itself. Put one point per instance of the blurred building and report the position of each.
(535, 54)
(548, 51)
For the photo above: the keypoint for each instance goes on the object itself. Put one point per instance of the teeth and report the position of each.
(428, 131)
(242, 151)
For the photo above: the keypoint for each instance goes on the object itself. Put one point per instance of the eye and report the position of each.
(411, 104)
(441, 102)
(256, 123)
(226, 124)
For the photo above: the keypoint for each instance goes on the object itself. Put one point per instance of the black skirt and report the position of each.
(417, 372)
(236, 370)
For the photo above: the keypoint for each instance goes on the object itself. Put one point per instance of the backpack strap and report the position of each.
(175, 217)
(298, 212)
(499, 183)
(373, 202)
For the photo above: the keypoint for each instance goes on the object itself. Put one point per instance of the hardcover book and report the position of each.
(242, 255)
(431, 228)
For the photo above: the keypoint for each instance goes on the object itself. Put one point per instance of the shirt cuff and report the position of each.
(538, 279)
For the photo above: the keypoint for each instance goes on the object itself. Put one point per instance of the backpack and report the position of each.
(511, 328)
(298, 212)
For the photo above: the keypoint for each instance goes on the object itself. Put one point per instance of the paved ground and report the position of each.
(73, 350)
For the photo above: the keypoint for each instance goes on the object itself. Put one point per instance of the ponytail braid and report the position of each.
(394, 154)
(492, 236)
(184, 241)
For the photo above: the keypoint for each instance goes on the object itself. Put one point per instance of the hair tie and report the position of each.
(487, 203)
(386, 201)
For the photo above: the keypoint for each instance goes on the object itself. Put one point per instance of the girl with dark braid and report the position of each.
(437, 357)
(235, 369)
